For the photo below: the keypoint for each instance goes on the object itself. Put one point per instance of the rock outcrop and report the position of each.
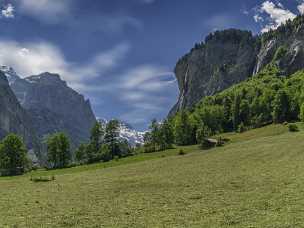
(13, 118)
(231, 56)
(54, 107)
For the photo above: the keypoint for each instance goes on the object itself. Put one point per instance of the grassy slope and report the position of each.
(255, 181)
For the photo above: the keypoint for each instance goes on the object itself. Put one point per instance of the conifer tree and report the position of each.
(58, 148)
(13, 160)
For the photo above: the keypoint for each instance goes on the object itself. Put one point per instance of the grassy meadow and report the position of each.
(256, 180)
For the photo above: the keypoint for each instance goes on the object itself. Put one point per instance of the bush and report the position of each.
(42, 179)
(241, 128)
(293, 128)
(181, 152)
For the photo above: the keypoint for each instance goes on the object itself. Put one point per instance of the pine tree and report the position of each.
(58, 147)
(112, 137)
(166, 135)
(302, 113)
(280, 107)
(183, 130)
(236, 112)
(154, 135)
(81, 152)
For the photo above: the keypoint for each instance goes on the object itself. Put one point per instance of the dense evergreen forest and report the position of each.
(269, 97)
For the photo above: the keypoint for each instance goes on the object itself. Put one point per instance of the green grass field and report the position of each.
(256, 180)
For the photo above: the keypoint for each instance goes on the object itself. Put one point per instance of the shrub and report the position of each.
(293, 128)
(241, 128)
(181, 152)
(42, 179)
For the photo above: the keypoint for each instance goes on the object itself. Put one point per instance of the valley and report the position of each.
(254, 179)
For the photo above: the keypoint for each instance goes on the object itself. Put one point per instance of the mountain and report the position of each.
(127, 132)
(228, 57)
(15, 119)
(131, 135)
(53, 105)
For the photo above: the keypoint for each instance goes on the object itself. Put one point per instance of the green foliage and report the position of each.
(105, 144)
(280, 53)
(293, 128)
(97, 135)
(184, 129)
(160, 137)
(81, 153)
(259, 175)
(266, 98)
(13, 160)
(202, 133)
(42, 179)
(241, 128)
(302, 113)
(112, 137)
(58, 148)
(181, 152)
(280, 107)
(105, 153)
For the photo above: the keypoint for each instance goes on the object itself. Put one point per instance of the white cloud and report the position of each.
(61, 12)
(35, 58)
(258, 18)
(144, 88)
(301, 8)
(8, 11)
(50, 11)
(276, 15)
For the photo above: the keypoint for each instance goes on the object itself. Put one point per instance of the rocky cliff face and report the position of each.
(231, 56)
(54, 106)
(13, 118)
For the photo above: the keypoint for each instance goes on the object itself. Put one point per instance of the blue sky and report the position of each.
(121, 53)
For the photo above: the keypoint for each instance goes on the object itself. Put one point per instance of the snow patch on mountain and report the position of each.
(10, 74)
(128, 133)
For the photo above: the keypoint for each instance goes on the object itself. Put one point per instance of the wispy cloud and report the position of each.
(34, 58)
(50, 11)
(142, 89)
(8, 11)
(63, 12)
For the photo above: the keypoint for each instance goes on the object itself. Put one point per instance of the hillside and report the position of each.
(228, 57)
(254, 181)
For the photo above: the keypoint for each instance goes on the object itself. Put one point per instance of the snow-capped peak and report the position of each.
(127, 132)
(131, 135)
(10, 74)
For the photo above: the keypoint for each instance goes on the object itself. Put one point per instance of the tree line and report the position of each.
(104, 145)
(269, 97)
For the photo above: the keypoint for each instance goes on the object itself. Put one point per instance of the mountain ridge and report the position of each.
(231, 56)
(53, 105)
